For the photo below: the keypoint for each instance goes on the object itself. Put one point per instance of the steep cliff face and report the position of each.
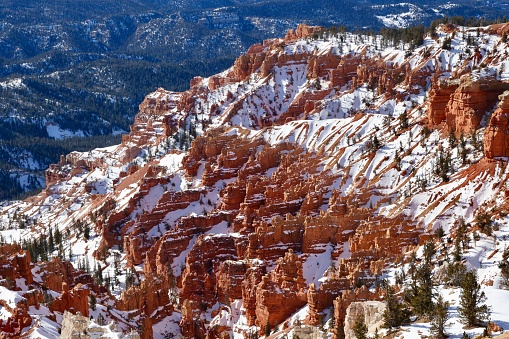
(275, 193)
(496, 141)
(463, 102)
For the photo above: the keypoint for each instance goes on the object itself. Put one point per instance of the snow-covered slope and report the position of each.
(313, 170)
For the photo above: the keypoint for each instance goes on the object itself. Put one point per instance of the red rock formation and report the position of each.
(229, 280)
(74, 300)
(471, 101)
(278, 199)
(496, 136)
(283, 286)
(15, 263)
(13, 326)
(174, 242)
(202, 266)
(439, 97)
(342, 302)
(462, 103)
(253, 277)
(302, 31)
(151, 297)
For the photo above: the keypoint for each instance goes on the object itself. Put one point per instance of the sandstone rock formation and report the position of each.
(302, 31)
(370, 311)
(73, 300)
(283, 286)
(76, 326)
(15, 263)
(463, 102)
(496, 140)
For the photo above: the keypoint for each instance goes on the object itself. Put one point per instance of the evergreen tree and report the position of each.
(395, 313)
(267, 329)
(484, 222)
(443, 165)
(440, 317)
(397, 160)
(504, 268)
(98, 275)
(457, 250)
(58, 236)
(462, 148)
(421, 293)
(447, 43)
(86, 231)
(429, 252)
(51, 241)
(100, 320)
(360, 329)
(403, 120)
(472, 309)
(439, 233)
(455, 273)
(93, 302)
(461, 234)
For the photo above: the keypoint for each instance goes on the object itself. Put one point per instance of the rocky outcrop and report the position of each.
(253, 277)
(302, 31)
(77, 326)
(15, 263)
(463, 103)
(150, 296)
(249, 210)
(347, 297)
(74, 325)
(496, 136)
(203, 266)
(283, 286)
(229, 280)
(72, 300)
(439, 97)
(370, 311)
(471, 100)
(12, 326)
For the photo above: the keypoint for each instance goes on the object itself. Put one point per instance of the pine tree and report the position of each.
(51, 241)
(93, 302)
(397, 160)
(86, 231)
(447, 43)
(403, 120)
(484, 222)
(504, 268)
(439, 233)
(420, 296)
(360, 329)
(462, 148)
(100, 320)
(395, 313)
(267, 329)
(472, 309)
(440, 317)
(455, 273)
(58, 236)
(457, 250)
(429, 252)
(461, 234)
